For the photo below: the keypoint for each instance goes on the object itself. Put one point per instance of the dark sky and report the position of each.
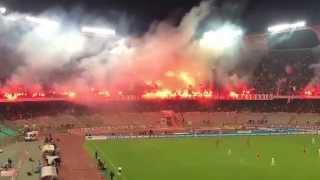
(254, 15)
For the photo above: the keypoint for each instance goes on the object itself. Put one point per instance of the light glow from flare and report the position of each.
(104, 93)
(38, 94)
(161, 94)
(187, 79)
(308, 93)
(183, 94)
(12, 96)
(234, 94)
(70, 94)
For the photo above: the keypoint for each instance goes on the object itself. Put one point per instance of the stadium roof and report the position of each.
(255, 15)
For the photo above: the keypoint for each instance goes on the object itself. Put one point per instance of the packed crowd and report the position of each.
(285, 72)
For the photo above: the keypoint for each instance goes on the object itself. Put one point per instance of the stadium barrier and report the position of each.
(274, 132)
(250, 97)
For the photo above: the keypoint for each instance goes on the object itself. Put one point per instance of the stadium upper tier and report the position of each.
(285, 72)
(288, 66)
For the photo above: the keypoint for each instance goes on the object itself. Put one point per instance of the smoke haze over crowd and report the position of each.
(167, 56)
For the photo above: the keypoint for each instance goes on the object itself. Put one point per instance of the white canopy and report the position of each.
(48, 171)
(48, 148)
(51, 159)
(32, 133)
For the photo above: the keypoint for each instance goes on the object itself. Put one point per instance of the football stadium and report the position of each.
(199, 94)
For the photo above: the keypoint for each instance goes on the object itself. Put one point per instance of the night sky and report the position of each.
(254, 15)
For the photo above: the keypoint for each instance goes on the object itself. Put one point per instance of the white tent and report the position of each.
(51, 159)
(31, 136)
(49, 172)
(48, 148)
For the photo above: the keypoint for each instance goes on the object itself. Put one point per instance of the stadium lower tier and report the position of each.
(38, 108)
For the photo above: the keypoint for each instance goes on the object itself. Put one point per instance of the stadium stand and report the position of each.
(285, 72)
(135, 123)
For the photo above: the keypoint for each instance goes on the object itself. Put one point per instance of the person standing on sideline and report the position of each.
(112, 175)
(96, 155)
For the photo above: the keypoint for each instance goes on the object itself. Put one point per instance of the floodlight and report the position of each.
(286, 26)
(42, 21)
(98, 31)
(299, 24)
(279, 28)
(3, 10)
(222, 38)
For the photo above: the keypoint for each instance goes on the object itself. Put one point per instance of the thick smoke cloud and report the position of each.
(62, 58)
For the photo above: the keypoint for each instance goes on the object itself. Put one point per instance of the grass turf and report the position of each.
(6, 132)
(209, 158)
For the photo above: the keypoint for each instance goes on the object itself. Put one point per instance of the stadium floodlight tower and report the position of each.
(98, 31)
(286, 27)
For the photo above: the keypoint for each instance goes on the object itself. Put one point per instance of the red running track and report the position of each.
(76, 162)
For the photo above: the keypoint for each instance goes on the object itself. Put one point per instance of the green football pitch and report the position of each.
(225, 158)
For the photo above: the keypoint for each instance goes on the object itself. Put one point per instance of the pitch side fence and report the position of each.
(271, 132)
